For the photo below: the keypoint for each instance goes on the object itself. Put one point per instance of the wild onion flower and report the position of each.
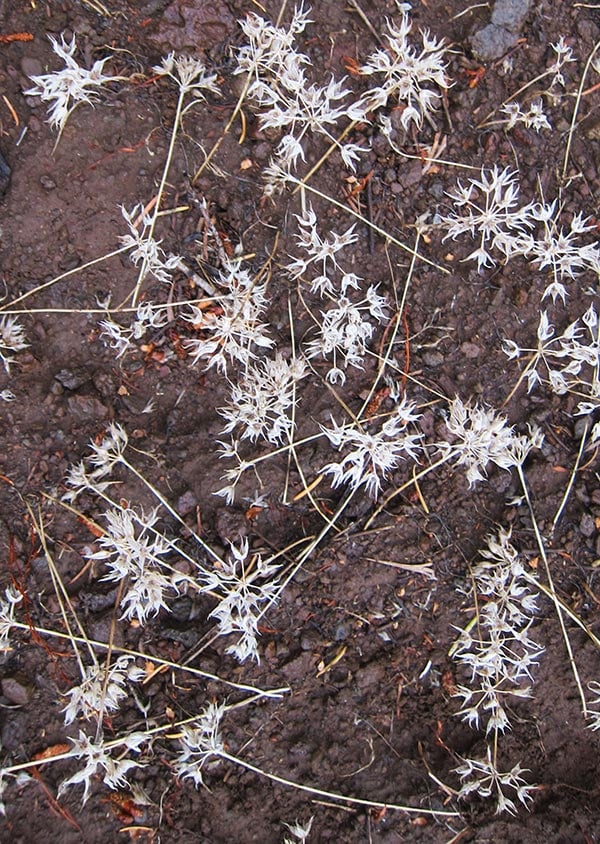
(262, 398)
(234, 329)
(413, 78)
(96, 756)
(133, 551)
(245, 585)
(497, 654)
(488, 209)
(482, 777)
(483, 437)
(200, 742)
(101, 689)
(370, 456)
(67, 88)
(12, 597)
(568, 362)
(12, 340)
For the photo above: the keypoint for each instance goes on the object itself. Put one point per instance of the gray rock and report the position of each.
(15, 691)
(508, 16)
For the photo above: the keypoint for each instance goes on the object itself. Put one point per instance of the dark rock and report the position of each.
(502, 32)
(71, 379)
(15, 691)
(4, 175)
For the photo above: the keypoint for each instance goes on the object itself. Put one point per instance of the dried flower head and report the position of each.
(12, 340)
(371, 456)
(102, 689)
(188, 73)
(484, 437)
(200, 743)
(481, 777)
(96, 755)
(414, 78)
(67, 88)
(262, 398)
(245, 585)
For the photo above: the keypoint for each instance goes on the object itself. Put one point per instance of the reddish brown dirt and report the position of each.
(375, 725)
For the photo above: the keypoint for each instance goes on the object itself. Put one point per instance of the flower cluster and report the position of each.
(414, 78)
(279, 87)
(121, 338)
(95, 754)
(106, 454)
(371, 456)
(345, 331)
(488, 208)
(234, 326)
(65, 89)
(498, 654)
(482, 777)
(564, 55)
(566, 362)
(188, 73)
(320, 253)
(484, 437)
(533, 118)
(262, 398)
(200, 743)
(133, 551)
(102, 689)
(245, 587)
(12, 339)
(560, 250)
(7, 615)
(144, 249)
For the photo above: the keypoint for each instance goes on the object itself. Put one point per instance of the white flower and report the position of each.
(245, 586)
(344, 332)
(277, 83)
(200, 743)
(567, 362)
(484, 437)
(145, 249)
(321, 254)
(12, 339)
(109, 451)
(65, 89)
(561, 250)
(133, 551)
(499, 654)
(533, 118)
(564, 55)
(101, 689)
(235, 329)
(299, 831)
(260, 400)
(120, 338)
(188, 73)
(593, 707)
(372, 456)
(96, 755)
(481, 777)
(487, 209)
(7, 615)
(411, 77)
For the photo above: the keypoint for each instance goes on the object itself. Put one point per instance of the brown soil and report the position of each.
(363, 647)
